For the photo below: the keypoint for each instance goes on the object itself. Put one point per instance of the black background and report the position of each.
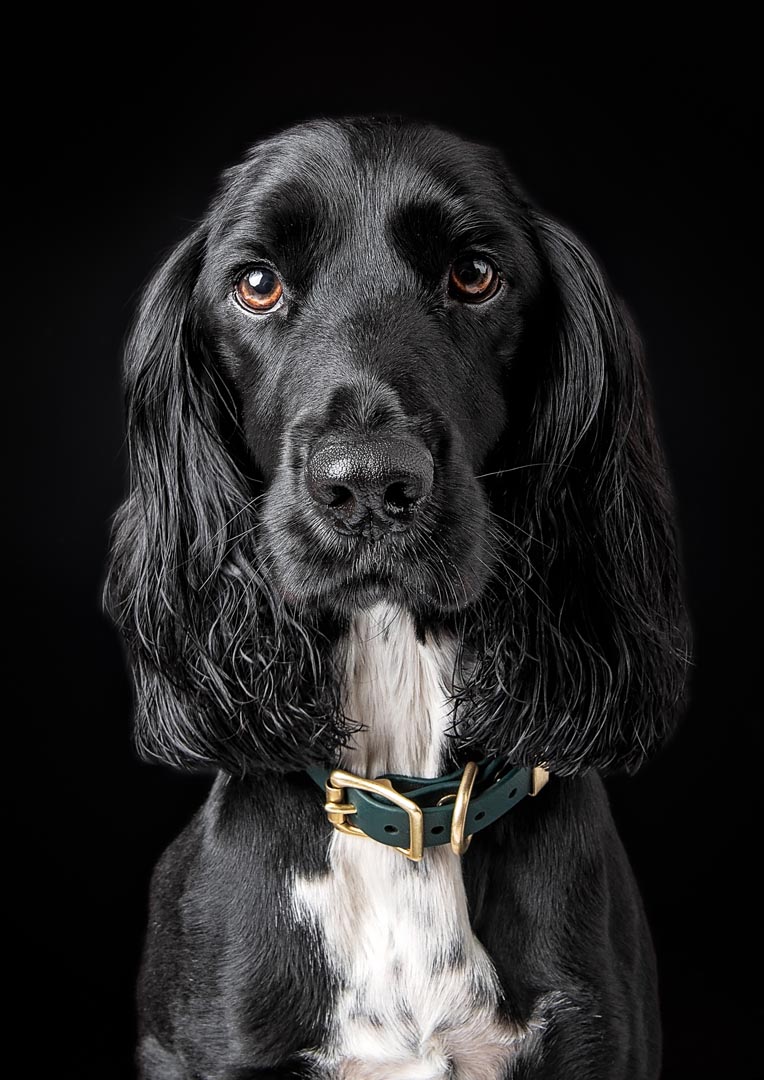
(649, 157)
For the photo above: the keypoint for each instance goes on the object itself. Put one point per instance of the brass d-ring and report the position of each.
(460, 843)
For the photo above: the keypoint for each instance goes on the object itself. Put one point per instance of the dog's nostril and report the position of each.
(398, 498)
(341, 497)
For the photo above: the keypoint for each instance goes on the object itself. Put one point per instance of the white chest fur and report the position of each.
(418, 991)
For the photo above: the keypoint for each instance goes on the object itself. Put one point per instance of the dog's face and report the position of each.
(366, 290)
(376, 371)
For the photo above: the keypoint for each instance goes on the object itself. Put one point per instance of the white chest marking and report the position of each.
(418, 991)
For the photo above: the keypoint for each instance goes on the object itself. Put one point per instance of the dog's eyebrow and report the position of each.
(291, 225)
(299, 224)
(428, 232)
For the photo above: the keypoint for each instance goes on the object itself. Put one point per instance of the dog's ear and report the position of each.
(222, 675)
(582, 662)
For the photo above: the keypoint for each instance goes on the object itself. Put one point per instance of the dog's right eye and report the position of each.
(472, 279)
(259, 289)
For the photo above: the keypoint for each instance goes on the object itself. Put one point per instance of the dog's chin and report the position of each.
(343, 595)
(347, 598)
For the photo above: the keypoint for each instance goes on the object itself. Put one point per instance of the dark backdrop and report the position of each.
(650, 158)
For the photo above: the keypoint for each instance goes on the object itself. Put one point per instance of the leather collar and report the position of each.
(411, 813)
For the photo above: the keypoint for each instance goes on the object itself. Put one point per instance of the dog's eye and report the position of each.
(473, 278)
(259, 289)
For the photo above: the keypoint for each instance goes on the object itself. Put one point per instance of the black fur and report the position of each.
(546, 546)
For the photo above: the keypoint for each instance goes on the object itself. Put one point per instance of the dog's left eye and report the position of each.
(259, 289)
(473, 278)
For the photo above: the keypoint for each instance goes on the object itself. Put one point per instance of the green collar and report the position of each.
(410, 813)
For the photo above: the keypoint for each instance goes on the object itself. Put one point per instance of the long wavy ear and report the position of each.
(580, 649)
(223, 676)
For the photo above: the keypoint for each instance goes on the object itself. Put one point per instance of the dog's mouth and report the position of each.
(347, 590)
(345, 594)
(430, 567)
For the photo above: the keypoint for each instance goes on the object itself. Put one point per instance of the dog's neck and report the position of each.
(395, 686)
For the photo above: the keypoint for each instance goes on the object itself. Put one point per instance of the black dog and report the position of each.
(397, 507)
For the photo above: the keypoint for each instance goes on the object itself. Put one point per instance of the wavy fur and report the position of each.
(577, 655)
(224, 675)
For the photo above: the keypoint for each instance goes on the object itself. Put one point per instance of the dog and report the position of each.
(398, 563)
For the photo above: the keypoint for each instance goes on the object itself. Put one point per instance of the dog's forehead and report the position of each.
(335, 170)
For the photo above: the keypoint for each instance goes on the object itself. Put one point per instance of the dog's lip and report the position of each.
(371, 538)
(340, 581)
(339, 590)
(367, 586)
(363, 579)
(344, 592)
(397, 539)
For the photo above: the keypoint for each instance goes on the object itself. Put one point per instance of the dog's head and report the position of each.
(376, 372)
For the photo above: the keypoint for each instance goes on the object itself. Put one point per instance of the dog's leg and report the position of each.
(284, 1072)
(155, 1062)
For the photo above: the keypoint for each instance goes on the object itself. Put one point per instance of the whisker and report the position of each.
(519, 528)
(233, 517)
(529, 465)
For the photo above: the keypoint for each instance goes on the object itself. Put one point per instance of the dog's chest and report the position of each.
(418, 993)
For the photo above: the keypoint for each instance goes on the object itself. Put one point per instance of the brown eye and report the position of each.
(473, 278)
(259, 289)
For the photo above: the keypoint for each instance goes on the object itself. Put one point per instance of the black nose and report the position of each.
(374, 483)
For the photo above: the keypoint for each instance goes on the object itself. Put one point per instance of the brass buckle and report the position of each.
(539, 779)
(338, 809)
(460, 842)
